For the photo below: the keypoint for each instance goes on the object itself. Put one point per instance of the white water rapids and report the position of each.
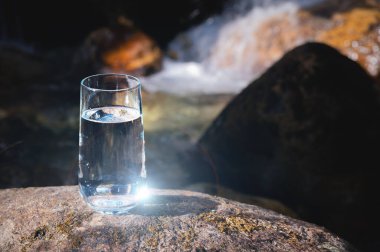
(202, 50)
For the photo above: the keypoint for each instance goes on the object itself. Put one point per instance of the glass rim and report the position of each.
(138, 82)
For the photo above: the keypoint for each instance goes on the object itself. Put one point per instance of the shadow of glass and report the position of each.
(171, 205)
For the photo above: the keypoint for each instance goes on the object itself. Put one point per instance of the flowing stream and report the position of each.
(216, 56)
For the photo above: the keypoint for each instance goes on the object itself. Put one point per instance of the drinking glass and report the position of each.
(111, 142)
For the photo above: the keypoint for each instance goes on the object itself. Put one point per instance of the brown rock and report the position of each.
(352, 27)
(56, 218)
(282, 33)
(356, 33)
(305, 133)
(139, 51)
(121, 48)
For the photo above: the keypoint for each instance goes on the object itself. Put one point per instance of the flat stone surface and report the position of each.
(57, 219)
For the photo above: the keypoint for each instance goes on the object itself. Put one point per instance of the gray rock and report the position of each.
(57, 219)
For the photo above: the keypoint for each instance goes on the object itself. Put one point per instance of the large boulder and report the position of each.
(57, 219)
(305, 133)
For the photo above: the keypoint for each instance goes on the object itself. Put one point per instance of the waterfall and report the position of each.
(216, 56)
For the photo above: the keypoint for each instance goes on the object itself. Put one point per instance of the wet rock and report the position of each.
(120, 48)
(305, 133)
(169, 220)
(284, 32)
(352, 27)
(356, 33)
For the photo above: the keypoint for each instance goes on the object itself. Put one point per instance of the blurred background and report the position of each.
(194, 57)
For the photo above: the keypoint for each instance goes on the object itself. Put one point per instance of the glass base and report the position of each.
(111, 204)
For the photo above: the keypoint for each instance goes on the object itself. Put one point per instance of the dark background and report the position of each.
(49, 24)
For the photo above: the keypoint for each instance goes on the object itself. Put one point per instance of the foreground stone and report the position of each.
(57, 219)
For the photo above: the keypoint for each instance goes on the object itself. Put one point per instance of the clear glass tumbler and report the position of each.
(111, 142)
